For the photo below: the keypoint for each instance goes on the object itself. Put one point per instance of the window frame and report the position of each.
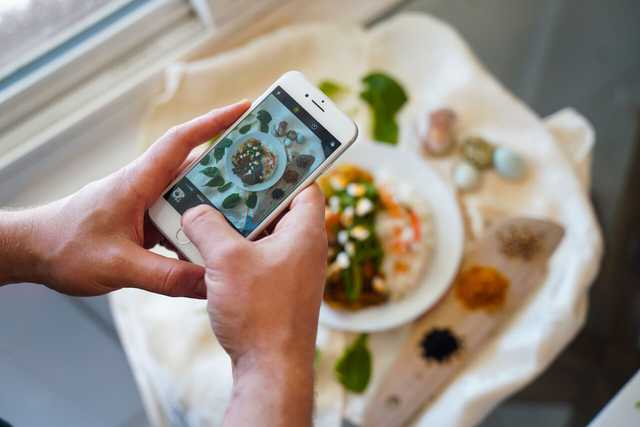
(48, 83)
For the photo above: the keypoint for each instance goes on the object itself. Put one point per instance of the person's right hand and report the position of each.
(264, 299)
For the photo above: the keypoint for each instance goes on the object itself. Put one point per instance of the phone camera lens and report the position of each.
(322, 101)
(306, 95)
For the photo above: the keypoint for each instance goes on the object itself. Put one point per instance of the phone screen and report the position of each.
(262, 160)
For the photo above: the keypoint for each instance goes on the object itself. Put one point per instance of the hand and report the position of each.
(96, 240)
(264, 299)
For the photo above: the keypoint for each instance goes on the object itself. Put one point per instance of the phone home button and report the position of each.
(182, 238)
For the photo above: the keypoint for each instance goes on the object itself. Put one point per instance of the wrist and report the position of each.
(19, 247)
(272, 391)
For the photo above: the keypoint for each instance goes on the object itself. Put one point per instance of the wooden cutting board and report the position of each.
(415, 379)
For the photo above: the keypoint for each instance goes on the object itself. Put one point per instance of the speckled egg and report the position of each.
(300, 138)
(439, 138)
(466, 176)
(508, 163)
(478, 152)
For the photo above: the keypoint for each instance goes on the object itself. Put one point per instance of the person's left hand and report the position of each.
(96, 240)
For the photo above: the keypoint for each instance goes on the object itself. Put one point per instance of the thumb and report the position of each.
(161, 275)
(210, 232)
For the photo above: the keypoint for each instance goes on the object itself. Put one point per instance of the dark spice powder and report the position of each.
(439, 344)
(519, 242)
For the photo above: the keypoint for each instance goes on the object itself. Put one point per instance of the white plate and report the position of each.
(273, 145)
(407, 167)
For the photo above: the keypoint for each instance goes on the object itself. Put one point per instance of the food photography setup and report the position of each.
(478, 163)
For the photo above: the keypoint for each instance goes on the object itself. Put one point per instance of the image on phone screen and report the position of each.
(262, 160)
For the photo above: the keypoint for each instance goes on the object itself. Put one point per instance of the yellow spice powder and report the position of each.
(482, 288)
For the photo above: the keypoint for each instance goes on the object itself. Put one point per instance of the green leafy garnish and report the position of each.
(206, 160)
(332, 89)
(264, 118)
(225, 187)
(211, 171)
(353, 368)
(231, 201)
(221, 146)
(216, 181)
(385, 97)
(251, 200)
(244, 129)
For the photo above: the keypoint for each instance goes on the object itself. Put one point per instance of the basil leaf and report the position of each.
(206, 160)
(385, 97)
(353, 368)
(332, 89)
(216, 181)
(225, 187)
(211, 172)
(231, 201)
(218, 152)
(251, 200)
(264, 118)
(244, 129)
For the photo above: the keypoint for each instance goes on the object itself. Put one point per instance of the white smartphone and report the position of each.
(291, 134)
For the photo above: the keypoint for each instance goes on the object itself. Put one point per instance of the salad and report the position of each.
(253, 163)
(377, 244)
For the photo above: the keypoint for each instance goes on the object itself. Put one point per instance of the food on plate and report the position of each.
(508, 163)
(253, 162)
(439, 138)
(466, 176)
(478, 152)
(380, 239)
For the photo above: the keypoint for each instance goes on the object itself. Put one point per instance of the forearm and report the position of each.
(273, 393)
(20, 260)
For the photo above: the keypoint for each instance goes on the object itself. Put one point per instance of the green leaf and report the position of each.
(218, 151)
(225, 187)
(206, 160)
(216, 181)
(353, 368)
(385, 97)
(251, 200)
(264, 118)
(231, 201)
(211, 171)
(332, 89)
(244, 129)
(354, 287)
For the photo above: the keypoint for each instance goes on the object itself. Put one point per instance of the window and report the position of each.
(58, 56)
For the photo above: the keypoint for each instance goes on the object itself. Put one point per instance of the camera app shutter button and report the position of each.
(182, 238)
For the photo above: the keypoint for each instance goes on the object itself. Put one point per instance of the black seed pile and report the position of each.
(439, 344)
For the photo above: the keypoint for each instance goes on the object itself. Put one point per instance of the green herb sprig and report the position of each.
(353, 368)
(385, 97)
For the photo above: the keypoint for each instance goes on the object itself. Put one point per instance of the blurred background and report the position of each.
(77, 73)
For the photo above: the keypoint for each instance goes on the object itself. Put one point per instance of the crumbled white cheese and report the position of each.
(363, 207)
(356, 190)
(360, 232)
(350, 247)
(407, 234)
(347, 216)
(343, 237)
(343, 261)
(334, 203)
